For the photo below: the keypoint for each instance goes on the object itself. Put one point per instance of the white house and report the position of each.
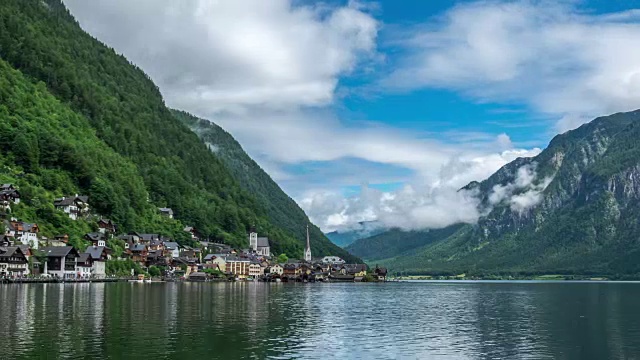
(276, 269)
(99, 256)
(61, 261)
(173, 248)
(26, 233)
(75, 206)
(332, 260)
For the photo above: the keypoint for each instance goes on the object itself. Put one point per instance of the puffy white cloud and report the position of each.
(524, 193)
(561, 61)
(209, 56)
(417, 206)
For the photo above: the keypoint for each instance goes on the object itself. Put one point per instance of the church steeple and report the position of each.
(307, 250)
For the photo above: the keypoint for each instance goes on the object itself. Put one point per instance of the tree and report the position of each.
(282, 258)
(154, 271)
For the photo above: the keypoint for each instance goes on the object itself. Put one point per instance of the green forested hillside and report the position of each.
(78, 118)
(584, 222)
(281, 209)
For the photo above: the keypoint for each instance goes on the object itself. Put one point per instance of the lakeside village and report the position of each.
(25, 256)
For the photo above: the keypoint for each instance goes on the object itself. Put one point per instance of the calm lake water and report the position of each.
(451, 320)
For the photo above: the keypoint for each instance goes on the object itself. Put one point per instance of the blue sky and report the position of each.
(382, 110)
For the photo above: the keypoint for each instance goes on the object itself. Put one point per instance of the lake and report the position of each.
(407, 320)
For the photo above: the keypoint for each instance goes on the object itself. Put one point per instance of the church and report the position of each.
(259, 245)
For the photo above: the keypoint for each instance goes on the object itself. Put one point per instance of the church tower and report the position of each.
(253, 239)
(307, 250)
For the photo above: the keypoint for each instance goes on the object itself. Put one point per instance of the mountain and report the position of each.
(364, 229)
(282, 211)
(573, 209)
(75, 117)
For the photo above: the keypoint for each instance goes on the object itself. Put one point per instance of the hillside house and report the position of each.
(96, 238)
(59, 240)
(75, 206)
(13, 262)
(194, 233)
(166, 212)
(171, 249)
(26, 233)
(107, 227)
(8, 195)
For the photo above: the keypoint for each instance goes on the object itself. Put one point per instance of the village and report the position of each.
(25, 256)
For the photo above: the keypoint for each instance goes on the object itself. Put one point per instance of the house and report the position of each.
(107, 227)
(191, 230)
(139, 253)
(213, 259)
(332, 260)
(59, 240)
(96, 238)
(99, 256)
(61, 261)
(172, 249)
(26, 233)
(8, 195)
(13, 262)
(259, 245)
(255, 269)
(148, 238)
(6, 240)
(237, 266)
(84, 265)
(155, 257)
(276, 269)
(381, 273)
(292, 270)
(156, 245)
(357, 270)
(167, 212)
(75, 206)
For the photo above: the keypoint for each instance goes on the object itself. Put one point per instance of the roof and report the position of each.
(149, 237)
(137, 247)
(355, 268)
(58, 251)
(263, 242)
(24, 248)
(188, 228)
(236, 259)
(95, 251)
(171, 245)
(84, 257)
(209, 257)
(65, 201)
(166, 210)
(9, 251)
(95, 236)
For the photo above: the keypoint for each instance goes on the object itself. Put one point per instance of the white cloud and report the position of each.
(554, 58)
(524, 193)
(209, 56)
(426, 205)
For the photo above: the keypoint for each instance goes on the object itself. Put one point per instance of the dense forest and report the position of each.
(75, 117)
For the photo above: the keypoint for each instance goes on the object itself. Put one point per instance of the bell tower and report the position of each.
(307, 250)
(253, 239)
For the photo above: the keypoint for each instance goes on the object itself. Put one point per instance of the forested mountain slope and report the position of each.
(281, 209)
(77, 117)
(573, 209)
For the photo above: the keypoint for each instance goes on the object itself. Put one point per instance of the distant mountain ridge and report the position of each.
(363, 230)
(573, 209)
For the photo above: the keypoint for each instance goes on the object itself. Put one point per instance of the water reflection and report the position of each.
(318, 321)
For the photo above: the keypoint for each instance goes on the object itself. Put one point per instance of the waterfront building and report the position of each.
(99, 256)
(237, 266)
(13, 262)
(61, 261)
